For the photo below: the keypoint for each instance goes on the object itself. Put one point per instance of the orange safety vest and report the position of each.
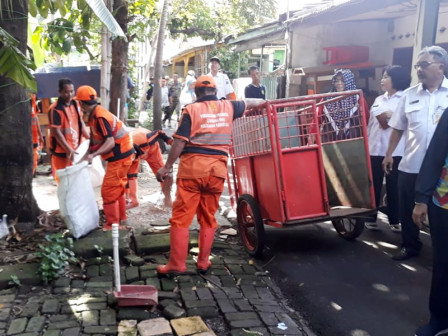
(34, 122)
(211, 124)
(142, 138)
(66, 126)
(123, 142)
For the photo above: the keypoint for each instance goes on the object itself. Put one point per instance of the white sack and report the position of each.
(77, 200)
(97, 172)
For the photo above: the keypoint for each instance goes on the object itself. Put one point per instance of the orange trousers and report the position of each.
(153, 156)
(58, 163)
(198, 197)
(115, 179)
(35, 158)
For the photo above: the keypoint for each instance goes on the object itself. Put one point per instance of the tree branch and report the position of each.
(191, 31)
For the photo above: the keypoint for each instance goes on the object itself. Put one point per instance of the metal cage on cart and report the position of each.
(290, 167)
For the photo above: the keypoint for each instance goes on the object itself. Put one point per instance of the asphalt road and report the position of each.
(350, 288)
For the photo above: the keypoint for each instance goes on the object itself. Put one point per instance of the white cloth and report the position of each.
(165, 100)
(223, 85)
(417, 114)
(379, 137)
(186, 98)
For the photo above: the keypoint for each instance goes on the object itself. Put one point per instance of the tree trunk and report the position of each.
(147, 74)
(16, 157)
(119, 67)
(105, 62)
(158, 70)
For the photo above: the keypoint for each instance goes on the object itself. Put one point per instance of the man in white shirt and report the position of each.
(165, 102)
(223, 86)
(416, 118)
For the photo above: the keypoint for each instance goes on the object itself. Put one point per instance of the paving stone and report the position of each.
(153, 282)
(17, 326)
(35, 324)
(50, 306)
(189, 326)
(199, 303)
(148, 267)
(226, 306)
(253, 280)
(78, 283)
(106, 270)
(167, 284)
(173, 311)
(106, 330)
(269, 319)
(2, 326)
(132, 274)
(246, 331)
(148, 274)
(52, 333)
(61, 317)
(218, 271)
(127, 328)
(63, 324)
(62, 282)
(30, 334)
(165, 303)
(71, 332)
(241, 316)
(261, 302)
(204, 294)
(269, 309)
(157, 243)
(234, 261)
(89, 306)
(243, 305)
(108, 317)
(153, 327)
(265, 293)
(168, 295)
(227, 280)
(92, 284)
(91, 299)
(101, 278)
(205, 312)
(134, 260)
(26, 273)
(92, 271)
(5, 312)
(7, 298)
(249, 269)
(61, 290)
(29, 310)
(138, 314)
(90, 318)
(246, 323)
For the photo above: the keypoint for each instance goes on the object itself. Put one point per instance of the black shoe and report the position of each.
(428, 330)
(404, 254)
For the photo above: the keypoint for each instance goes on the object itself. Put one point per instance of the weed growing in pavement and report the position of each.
(15, 281)
(56, 256)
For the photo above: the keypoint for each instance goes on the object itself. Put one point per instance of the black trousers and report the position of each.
(168, 113)
(438, 297)
(391, 186)
(409, 231)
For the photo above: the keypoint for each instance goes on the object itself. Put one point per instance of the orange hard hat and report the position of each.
(86, 93)
(205, 81)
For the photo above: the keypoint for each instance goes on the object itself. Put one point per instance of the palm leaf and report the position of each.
(14, 64)
(106, 17)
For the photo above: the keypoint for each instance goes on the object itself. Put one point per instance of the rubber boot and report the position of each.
(133, 189)
(122, 212)
(112, 215)
(178, 252)
(206, 237)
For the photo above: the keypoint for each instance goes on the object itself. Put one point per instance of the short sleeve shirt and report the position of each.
(252, 91)
(223, 86)
(417, 114)
(379, 137)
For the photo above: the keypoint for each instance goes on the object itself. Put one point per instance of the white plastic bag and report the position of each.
(97, 172)
(77, 200)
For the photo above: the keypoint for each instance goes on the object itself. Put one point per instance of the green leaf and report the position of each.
(14, 65)
(32, 8)
(100, 9)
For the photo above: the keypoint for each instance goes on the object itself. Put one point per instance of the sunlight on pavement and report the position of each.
(411, 268)
(388, 245)
(336, 306)
(381, 287)
(370, 244)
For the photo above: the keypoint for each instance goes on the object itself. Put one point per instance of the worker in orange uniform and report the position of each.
(202, 141)
(147, 148)
(111, 140)
(67, 127)
(36, 132)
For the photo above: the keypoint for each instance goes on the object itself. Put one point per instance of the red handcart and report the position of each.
(289, 167)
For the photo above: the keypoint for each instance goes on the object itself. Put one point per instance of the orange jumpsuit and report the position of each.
(34, 132)
(68, 120)
(104, 124)
(203, 164)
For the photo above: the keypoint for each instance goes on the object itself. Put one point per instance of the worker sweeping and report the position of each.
(202, 141)
(147, 148)
(111, 140)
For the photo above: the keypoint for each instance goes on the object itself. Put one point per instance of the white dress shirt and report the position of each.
(417, 114)
(223, 86)
(379, 137)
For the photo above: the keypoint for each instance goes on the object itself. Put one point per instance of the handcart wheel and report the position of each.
(250, 225)
(348, 228)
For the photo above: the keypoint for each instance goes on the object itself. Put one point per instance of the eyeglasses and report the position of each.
(423, 65)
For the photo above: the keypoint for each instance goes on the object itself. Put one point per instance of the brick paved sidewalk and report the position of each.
(236, 298)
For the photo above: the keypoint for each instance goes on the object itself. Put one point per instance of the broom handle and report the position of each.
(115, 236)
